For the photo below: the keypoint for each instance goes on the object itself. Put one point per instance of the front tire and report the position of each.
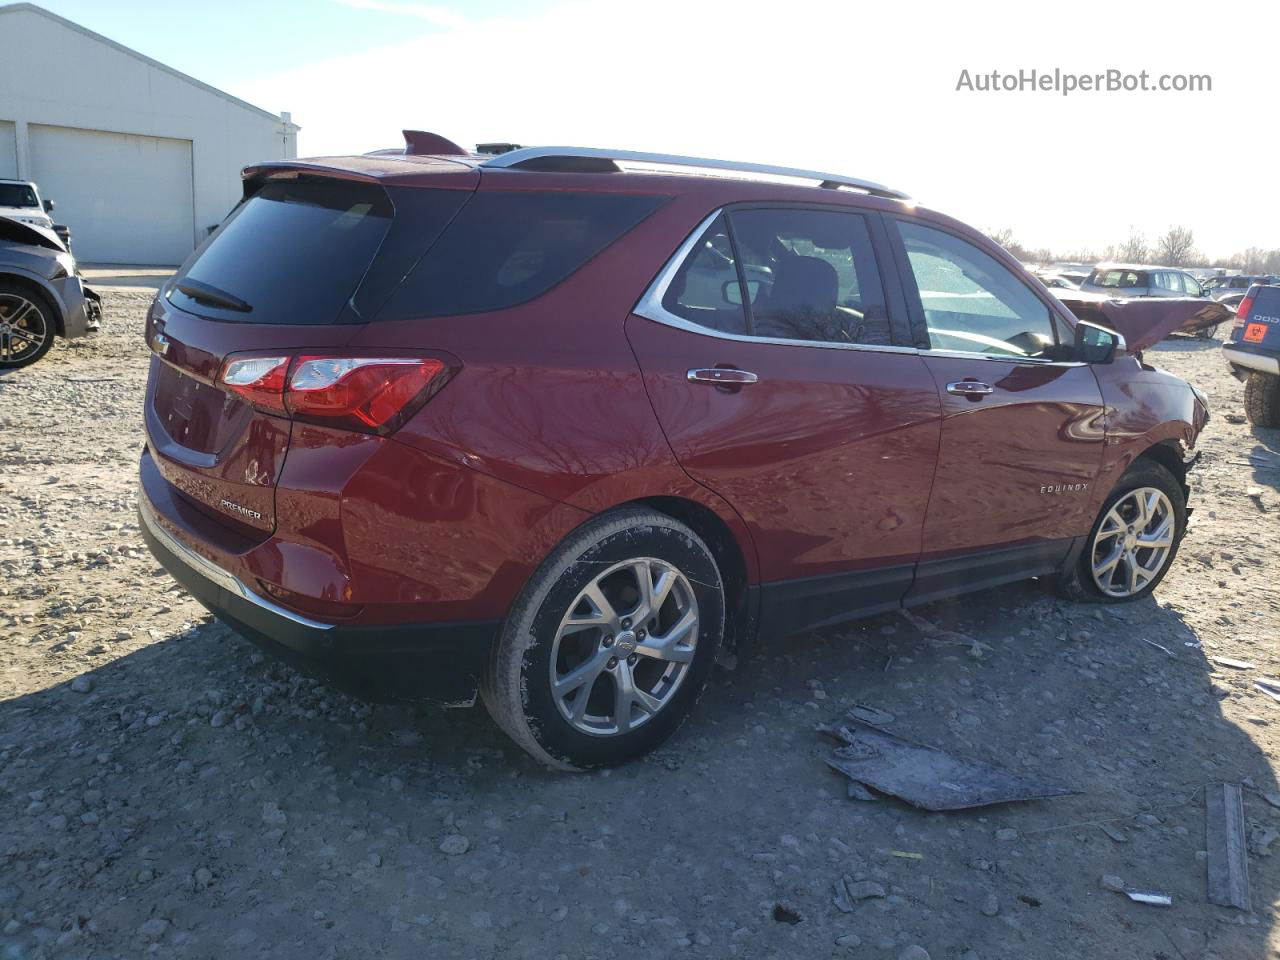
(610, 644)
(1262, 399)
(1133, 540)
(26, 326)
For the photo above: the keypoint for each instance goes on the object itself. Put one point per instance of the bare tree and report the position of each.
(1133, 250)
(1005, 238)
(1177, 247)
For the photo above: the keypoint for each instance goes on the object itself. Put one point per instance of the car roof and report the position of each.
(624, 170)
(1135, 266)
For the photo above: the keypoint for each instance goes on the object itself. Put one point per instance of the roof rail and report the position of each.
(594, 159)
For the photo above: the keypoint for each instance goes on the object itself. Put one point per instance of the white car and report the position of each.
(20, 200)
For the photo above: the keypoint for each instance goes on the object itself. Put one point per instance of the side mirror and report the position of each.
(1095, 344)
(732, 292)
(48, 206)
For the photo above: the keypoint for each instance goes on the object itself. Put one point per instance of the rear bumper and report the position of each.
(438, 663)
(1261, 362)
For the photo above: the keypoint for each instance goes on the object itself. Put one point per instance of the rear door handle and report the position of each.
(722, 375)
(969, 388)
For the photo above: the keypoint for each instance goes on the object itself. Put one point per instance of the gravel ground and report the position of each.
(166, 790)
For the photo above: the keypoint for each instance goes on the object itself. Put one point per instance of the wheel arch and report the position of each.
(41, 290)
(730, 556)
(1168, 454)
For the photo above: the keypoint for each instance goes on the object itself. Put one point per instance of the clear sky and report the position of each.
(861, 89)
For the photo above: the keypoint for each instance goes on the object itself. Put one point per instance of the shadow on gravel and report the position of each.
(1265, 457)
(204, 802)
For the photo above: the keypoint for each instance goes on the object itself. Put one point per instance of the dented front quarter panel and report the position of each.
(1144, 406)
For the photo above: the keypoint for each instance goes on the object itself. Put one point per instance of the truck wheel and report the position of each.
(26, 326)
(1134, 539)
(1262, 399)
(610, 644)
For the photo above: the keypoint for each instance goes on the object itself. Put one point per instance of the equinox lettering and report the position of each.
(1063, 487)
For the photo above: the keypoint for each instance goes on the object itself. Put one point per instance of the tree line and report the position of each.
(1176, 247)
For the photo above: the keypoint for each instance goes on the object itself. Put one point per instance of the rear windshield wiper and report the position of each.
(206, 293)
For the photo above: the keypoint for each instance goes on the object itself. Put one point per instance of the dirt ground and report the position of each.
(166, 790)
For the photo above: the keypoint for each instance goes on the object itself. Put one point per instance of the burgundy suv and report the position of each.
(561, 426)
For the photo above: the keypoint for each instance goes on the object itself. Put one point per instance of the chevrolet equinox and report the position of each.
(560, 426)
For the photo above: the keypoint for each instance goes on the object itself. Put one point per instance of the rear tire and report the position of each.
(1120, 532)
(27, 326)
(1262, 399)
(588, 672)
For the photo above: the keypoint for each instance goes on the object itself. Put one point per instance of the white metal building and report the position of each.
(140, 159)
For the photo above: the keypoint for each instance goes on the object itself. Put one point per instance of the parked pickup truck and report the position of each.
(1254, 354)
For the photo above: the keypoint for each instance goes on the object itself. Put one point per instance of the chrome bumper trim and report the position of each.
(1254, 361)
(214, 573)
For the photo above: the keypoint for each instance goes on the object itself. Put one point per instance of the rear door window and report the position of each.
(505, 248)
(293, 253)
(705, 290)
(810, 275)
(973, 303)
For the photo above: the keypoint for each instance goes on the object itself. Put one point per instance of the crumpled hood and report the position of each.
(1145, 321)
(17, 232)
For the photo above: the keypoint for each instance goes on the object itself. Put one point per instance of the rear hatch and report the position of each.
(1257, 327)
(297, 268)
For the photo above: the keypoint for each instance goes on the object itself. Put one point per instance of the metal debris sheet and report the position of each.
(928, 778)
(1228, 862)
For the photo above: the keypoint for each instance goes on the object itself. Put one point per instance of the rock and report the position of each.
(454, 845)
(864, 889)
(203, 877)
(850, 941)
(272, 815)
(914, 952)
(1112, 882)
(558, 914)
(145, 876)
(1006, 834)
(219, 719)
(990, 905)
(82, 683)
(153, 929)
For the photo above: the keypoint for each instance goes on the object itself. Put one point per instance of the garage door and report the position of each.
(8, 150)
(127, 199)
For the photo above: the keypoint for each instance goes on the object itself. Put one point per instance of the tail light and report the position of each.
(372, 394)
(1246, 305)
(258, 380)
(1242, 315)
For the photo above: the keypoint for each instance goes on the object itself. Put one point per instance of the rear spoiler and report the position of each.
(370, 168)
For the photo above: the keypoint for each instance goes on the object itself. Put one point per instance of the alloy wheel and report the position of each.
(22, 328)
(624, 647)
(1133, 542)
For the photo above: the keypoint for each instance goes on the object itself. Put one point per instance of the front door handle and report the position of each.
(723, 376)
(973, 389)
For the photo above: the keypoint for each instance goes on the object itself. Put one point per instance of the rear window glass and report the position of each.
(293, 253)
(1119, 278)
(506, 248)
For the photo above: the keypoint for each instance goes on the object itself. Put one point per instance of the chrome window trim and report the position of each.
(214, 573)
(650, 305)
(966, 355)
